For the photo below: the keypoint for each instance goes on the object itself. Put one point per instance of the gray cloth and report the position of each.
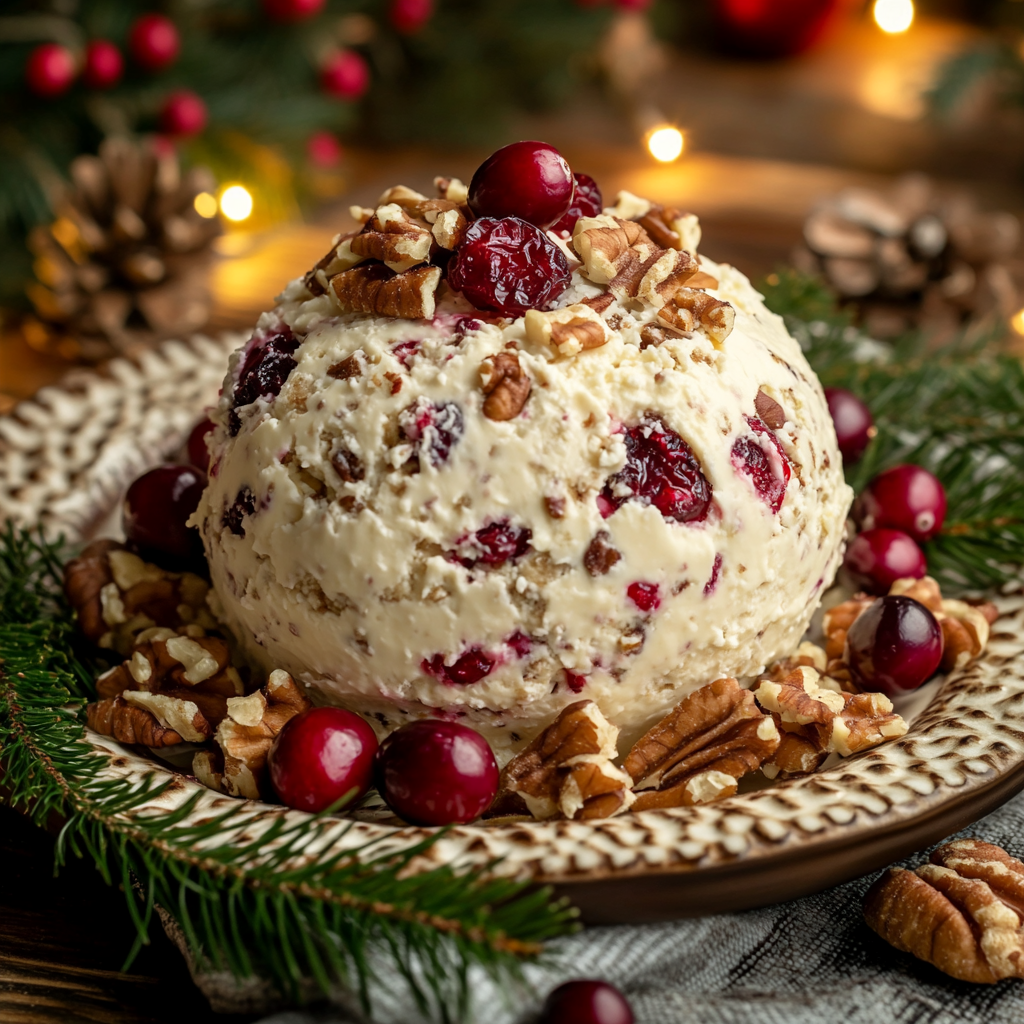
(811, 961)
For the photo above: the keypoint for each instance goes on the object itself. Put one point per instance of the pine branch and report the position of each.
(246, 896)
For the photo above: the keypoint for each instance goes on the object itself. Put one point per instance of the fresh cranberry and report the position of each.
(198, 453)
(473, 666)
(268, 362)
(893, 646)
(508, 266)
(529, 180)
(494, 545)
(436, 773)
(104, 64)
(646, 596)
(906, 498)
(586, 202)
(661, 470)
(877, 558)
(433, 429)
(575, 681)
(157, 506)
(712, 584)
(520, 643)
(321, 756)
(243, 505)
(586, 1001)
(769, 472)
(853, 423)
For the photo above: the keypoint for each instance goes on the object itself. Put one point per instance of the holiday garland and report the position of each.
(252, 907)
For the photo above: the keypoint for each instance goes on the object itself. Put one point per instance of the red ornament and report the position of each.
(529, 180)
(436, 773)
(157, 507)
(906, 498)
(183, 114)
(292, 10)
(774, 28)
(586, 1002)
(853, 423)
(104, 64)
(633, 5)
(876, 559)
(345, 75)
(198, 453)
(154, 42)
(324, 150)
(321, 756)
(409, 16)
(50, 70)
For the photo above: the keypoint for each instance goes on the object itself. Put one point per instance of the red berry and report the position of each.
(508, 266)
(323, 149)
(157, 506)
(154, 42)
(853, 423)
(716, 570)
(586, 1002)
(494, 545)
(906, 498)
(646, 596)
(586, 202)
(470, 668)
(661, 470)
(243, 506)
(894, 646)
(434, 429)
(436, 773)
(575, 681)
(50, 70)
(198, 453)
(345, 75)
(520, 643)
(104, 64)
(320, 757)
(183, 114)
(528, 180)
(768, 468)
(292, 10)
(877, 558)
(409, 16)
(268, 362)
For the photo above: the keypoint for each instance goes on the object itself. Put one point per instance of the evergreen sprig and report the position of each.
(243, 891)
(957, 410)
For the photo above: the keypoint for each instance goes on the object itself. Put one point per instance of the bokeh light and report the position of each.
(665, 144)
(206, 205)
(236, 202)
(894, 16)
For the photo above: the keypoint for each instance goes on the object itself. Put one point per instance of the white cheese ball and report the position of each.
(372, 532)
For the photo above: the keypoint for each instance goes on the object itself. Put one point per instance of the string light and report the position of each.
(206, 205)
(1017, 321)
(665, 143)
(236, 202)
(893, 16)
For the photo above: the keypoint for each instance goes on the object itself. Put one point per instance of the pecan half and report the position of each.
(393, 237)
(600, 556)
(338, 258)
(698, 752)
(568, 768)
(770, 412)
(569, 330)
(962, 913)
(376, 289)
(691, 309)
(506, 385)
(669, 227)
(148, 719)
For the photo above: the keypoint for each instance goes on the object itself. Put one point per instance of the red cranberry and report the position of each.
(906, 498)
(471, 667)
(661, 470)
(575, 681)
(529, 180)
(853, 423)
(494, 545)
(646, 596)
(586, 1001)
(50, 70)
(716, 570)
(768, 474)
(877, 558)
(198, 453)
(586, 202)
(434, 429)
(894, 646)
(508, 266)
(520, 643)
(436, 773)
(183, 114)
(104, 64)
(156, 507)
(154, 42)
(234, 517)
(320, 757)
(268, 362)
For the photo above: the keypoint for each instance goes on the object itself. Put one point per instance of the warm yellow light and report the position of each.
(894, 16)
(206, 205)
(1017, 321)
(665, 143)
(236, 203)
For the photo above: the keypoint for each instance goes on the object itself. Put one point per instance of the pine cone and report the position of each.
(127, 259)
(914, 257)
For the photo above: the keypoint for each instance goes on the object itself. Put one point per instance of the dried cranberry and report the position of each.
(530, 180)
(244, 505)
(575, 681)
(520, 643)
(712, 584)
(508, 266)
(768, 475)
(661, 470)
(494, 545)
(646, 596)
(268, 362)
(405, 351)
(433, 428)
(470, 668)
(586, 202)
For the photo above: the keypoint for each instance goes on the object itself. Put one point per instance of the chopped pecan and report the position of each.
(807, 654)
(452, 189)
(393, 237)
(338, 258)
(669, 227)
(771, 413)
(555, 506)
(569, 330)
(448, 225)
(208, 768)
(149, 719)
(691, 309)
(600, 556)
(962, 913)
(698, 752)
(657, 334)
(506, 385)
(568, 768)
(376, 289)
(837, 621)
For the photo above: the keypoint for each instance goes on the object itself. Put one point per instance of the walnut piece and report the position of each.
(962, 913)
(600, 556)
(669, 227)
(338, 258)
(568, 768)
(374, 288)
(452, 189)
(506, 385)
(691, 309)
(698, 752)
(394, 238)
(134, 723)
(569, 330)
